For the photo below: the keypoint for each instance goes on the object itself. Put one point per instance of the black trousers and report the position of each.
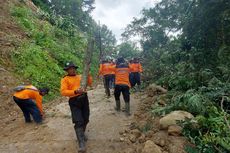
(135, 78)
(124, 89)
(28, 108)
(112, 81)
(79, 107)
(107, 80)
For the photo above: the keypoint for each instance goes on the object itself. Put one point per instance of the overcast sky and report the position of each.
(116, 14)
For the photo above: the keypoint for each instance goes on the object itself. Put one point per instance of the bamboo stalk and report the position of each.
(87, 62)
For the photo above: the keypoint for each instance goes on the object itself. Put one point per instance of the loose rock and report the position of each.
(132, 138)
(151, 147)
(175, 130)
(173, 117)
(136, 133)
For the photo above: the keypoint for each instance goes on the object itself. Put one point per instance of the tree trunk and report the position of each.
(86, 63)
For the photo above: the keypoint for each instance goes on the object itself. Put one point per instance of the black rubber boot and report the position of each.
(118, 105)
(108, 93)
(81, 140)
(127, 108)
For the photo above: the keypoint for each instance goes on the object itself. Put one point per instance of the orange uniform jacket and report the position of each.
(122, 76)
(31, 92)
(112, 68)
(71, 83)
(136, 67)
(105, 69)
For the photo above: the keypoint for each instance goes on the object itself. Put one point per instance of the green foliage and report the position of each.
(36, 65)
(159, 110)
(147, 127)
(20, 12)
(210, 133)
(105, 40)
(78, 10)
(197, 54)
(216, 89)
(127, 50)
(190, 149)
(191, 101)
(41, 58)
(193, 63)
(43, 4)
(73, 16)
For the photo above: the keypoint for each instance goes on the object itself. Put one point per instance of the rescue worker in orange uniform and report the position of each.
(29, 100)
(107, 73)
(78, 102)
(122, 84)
(136, 69)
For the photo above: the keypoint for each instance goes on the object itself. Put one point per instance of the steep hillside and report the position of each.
(10, 33)
(34, 51)
(11, 36)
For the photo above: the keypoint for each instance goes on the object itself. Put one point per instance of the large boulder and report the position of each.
(174, 130)
(173, 117)
(154, 89)
(151, 147)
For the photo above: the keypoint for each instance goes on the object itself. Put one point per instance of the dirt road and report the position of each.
(56, 134)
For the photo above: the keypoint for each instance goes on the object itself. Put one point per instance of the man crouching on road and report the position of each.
(25, 97)
(78, 102)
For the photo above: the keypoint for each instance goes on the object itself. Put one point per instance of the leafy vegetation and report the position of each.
(211, 134)
(57, 33)
(42, 56)
(127, 50)
(186, 49)
(77, 10)
(75, 14)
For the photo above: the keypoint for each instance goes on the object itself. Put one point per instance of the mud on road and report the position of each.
(56, 134)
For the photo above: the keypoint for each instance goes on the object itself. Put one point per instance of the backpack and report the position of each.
(19, 88)
(23, 87)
